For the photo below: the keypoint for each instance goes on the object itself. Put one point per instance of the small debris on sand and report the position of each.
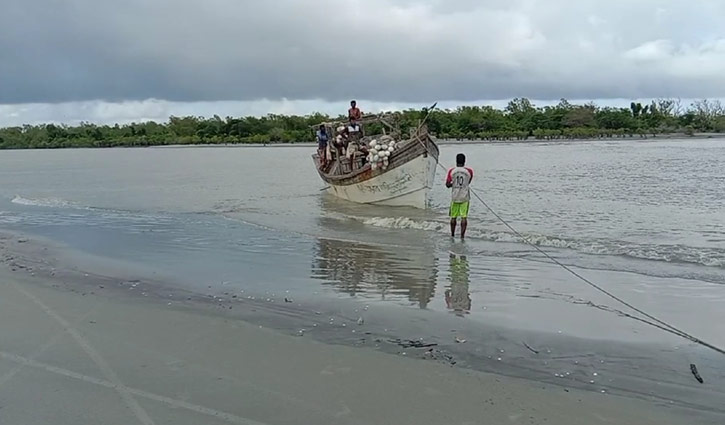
(694, 371)
(530, 349)
(411, 343)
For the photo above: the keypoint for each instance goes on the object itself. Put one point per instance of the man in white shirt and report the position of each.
(458, 180)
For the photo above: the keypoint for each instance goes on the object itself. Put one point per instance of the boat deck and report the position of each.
(342, 171)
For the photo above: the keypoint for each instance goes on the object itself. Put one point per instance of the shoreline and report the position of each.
(663, 136)
(284, 319)
(441, 142)
(176, 366)
(448, 142)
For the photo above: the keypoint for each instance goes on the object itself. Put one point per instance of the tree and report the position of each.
(614, 118)
(706, 111)
(524, 115)
(719, 124)
(581, 116)
(667, 107)
(183, 127)
(553, 116)
(518, 120)
(519, 106)
(276, 134)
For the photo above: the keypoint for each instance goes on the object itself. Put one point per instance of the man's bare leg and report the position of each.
(464, 225)
(453, 227)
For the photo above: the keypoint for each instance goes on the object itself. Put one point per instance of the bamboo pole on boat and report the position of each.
(420, 124)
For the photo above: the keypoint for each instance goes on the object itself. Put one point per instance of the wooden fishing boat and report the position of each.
(405, 181)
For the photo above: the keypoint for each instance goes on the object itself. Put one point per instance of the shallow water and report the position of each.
(644, 219)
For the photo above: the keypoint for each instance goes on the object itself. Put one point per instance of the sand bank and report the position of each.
(97, 356)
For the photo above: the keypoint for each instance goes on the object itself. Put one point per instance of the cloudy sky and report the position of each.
(125, 60)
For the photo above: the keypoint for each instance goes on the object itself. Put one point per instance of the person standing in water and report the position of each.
(459, 180)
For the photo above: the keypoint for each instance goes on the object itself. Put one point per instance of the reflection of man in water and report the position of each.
(458, 298)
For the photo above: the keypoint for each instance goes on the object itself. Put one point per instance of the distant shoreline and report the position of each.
(442, 142)
(667, 136)
(520, 120)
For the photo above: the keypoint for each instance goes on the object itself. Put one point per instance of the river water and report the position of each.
(643, 219)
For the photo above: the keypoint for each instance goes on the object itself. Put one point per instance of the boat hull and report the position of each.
(405, 185)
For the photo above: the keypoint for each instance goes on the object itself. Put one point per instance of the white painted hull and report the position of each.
(406, 185)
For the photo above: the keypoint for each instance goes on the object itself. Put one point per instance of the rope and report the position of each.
(659, 323)
(655, 322)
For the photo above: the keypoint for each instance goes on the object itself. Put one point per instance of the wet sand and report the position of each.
(76, 350)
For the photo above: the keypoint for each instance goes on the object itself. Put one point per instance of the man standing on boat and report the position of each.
(354, 113)
(459, 180)
(322, 147)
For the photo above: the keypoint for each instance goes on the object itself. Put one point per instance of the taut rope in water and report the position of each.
(653, 321)
(659, 323)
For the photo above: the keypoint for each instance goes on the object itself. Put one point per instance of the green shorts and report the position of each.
(459, 209)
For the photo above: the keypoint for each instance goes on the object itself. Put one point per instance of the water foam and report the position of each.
(402, 223)
(710, 257)
(43, 202)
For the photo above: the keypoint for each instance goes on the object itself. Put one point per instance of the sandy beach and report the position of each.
(76, 350)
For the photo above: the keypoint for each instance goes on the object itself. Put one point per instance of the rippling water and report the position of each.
(646, 218)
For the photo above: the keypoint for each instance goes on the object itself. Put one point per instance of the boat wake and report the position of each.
(711, 257)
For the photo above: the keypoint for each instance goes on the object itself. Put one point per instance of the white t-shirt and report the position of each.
(460, 178)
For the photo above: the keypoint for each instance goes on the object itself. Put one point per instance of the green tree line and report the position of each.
(519, 120)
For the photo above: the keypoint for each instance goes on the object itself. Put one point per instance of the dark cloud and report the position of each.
(384, 50)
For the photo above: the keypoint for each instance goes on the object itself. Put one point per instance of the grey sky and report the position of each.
(328, 51)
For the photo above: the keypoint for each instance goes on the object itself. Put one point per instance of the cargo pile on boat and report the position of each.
(380, 152)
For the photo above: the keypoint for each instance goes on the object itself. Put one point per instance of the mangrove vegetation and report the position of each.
(519, 120)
